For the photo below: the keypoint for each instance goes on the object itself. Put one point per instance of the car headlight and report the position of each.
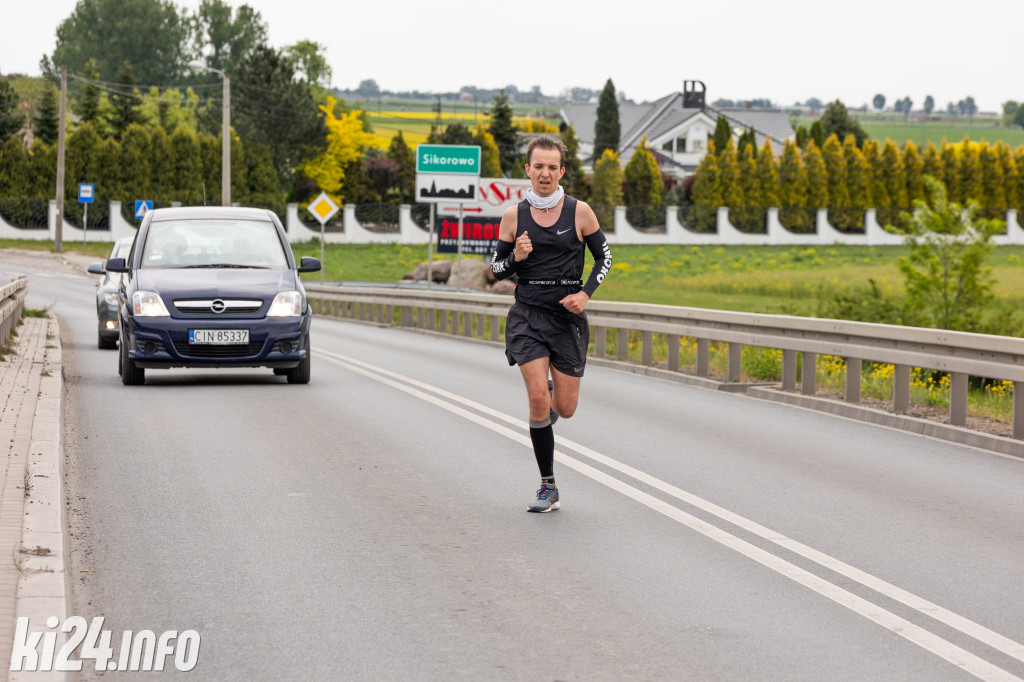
(286, 304)
(148, 304)
(110, 297)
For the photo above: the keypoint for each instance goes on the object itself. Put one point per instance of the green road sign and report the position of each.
(448, 158)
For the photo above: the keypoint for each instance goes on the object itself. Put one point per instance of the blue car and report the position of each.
(212, 287)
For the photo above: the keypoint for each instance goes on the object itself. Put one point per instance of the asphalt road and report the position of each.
(372, 524)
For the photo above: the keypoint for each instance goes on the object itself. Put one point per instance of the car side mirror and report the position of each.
(117, 265)
(308, 264)
(96, 269)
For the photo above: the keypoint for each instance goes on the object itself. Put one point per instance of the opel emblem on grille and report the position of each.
(218, 306)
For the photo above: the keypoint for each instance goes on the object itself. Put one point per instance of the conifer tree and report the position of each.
(750, 184)
(402, 154)
(109, 181)
(490, 157)
(643, 178)
(1018, 193)
(187, 166)
(818, 134)
(950, 175)
(892, 185)
(858, 173)
(836, 120)
(89, 105)
(971, 183)
(932, 163)
(126, 106)
(913, 168)
(607, 129)
(14, 169)
(993, 193)
(457, 133)
(608, 179)
(876, 188)
(1005, 156)
(767, 177)
(80, 165)
(42, 170)
(817, 179)
(707, 192)
(722, 134)
(574, 181)
(210, 158)
(839, 214)
(261, 177)
(46, 122)
(1011, 176)
(746, 144)
(793, 190)
(161, 180)
(802, 135)
(11, 119)
(732, 188)
(503, 130)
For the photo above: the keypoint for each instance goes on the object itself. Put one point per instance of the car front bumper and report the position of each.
(108, 321)
(162, 342)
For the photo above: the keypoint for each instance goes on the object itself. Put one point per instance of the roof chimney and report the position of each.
(692, 97)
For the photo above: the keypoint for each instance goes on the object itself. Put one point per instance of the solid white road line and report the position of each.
(927, 640)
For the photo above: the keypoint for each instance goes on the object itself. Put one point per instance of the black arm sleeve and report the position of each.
(598, 245)
(504, 263)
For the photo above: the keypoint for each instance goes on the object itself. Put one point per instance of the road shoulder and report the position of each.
(33, 573)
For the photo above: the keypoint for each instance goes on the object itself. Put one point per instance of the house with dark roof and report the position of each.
(677, 126)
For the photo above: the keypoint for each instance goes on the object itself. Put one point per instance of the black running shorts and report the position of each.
(532, 332)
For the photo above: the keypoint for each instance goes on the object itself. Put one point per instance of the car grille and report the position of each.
(241, 350)
(231, 306)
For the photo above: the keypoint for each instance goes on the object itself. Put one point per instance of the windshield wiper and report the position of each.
(227, 265)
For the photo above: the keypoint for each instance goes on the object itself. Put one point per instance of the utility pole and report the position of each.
(58, 245)
(225, 145)
(225, 132)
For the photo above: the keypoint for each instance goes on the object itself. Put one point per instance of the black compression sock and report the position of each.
(544, 449)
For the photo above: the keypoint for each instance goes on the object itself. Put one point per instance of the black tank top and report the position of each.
(557, 255)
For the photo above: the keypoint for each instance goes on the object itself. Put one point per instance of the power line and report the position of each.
(94, 81)
(148, 98)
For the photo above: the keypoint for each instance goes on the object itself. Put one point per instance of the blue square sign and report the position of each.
(141, 206)
(86, 193)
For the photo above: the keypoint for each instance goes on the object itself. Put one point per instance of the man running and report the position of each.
(541, 240)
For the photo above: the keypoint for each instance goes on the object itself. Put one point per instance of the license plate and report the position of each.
(218, 337)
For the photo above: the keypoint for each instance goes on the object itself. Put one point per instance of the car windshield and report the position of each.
(213, 244)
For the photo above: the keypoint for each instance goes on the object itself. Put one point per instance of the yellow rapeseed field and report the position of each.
(415, 125)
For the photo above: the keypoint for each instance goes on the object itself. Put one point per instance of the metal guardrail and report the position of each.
(960, 354)
(12, 297)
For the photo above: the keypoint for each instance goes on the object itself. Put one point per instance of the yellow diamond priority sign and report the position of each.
(323, 208)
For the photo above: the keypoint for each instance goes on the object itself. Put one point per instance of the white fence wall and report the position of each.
(409, 232)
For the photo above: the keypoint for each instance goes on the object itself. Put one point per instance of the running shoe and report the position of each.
(547, 499)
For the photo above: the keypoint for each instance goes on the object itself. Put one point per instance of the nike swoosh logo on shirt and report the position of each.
(563, 231)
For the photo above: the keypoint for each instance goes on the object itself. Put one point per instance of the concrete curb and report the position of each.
(43, 580)
(924, 427)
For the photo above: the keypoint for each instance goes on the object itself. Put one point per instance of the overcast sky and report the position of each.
(785, 51)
